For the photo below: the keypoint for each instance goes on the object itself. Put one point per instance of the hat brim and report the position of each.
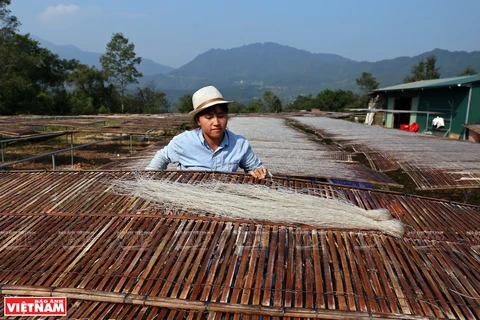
(208, 105)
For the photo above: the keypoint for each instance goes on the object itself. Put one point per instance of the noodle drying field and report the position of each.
(120, 255)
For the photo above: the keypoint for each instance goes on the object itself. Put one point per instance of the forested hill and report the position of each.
(292, 71)
(287, 71)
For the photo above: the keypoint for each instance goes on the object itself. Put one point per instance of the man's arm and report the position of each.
(251, 164)
(169, 154)
(160, 161)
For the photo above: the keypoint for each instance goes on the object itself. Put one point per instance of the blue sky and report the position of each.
(175, 32)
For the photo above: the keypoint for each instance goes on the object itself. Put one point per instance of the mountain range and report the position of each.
(147, 67)
(244, 73)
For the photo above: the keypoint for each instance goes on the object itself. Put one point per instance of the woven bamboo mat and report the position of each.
(115, 256)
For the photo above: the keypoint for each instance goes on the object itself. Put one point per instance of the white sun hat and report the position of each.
(206, 97)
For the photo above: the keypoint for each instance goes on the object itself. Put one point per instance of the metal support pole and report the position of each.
(428, 115)
(468, 110)
(451, 117)
(53, 162)
(71, 146)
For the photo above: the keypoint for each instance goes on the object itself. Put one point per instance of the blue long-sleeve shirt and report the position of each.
(190, 150)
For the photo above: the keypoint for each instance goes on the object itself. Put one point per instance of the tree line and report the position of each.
(327, 100)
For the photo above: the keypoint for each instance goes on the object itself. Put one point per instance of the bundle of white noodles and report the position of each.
(255, 202)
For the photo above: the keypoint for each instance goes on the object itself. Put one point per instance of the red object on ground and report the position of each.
(413, 127)
(404, 127)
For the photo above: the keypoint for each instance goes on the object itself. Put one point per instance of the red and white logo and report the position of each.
(34, 306)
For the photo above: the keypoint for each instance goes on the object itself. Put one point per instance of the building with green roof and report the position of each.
(455, 100)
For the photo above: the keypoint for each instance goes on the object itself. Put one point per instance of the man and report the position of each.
(210, 146)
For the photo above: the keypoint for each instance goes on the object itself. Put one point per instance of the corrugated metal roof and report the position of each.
(122, 257)
(430, 84)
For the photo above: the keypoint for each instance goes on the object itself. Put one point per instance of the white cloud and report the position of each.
(60, 11)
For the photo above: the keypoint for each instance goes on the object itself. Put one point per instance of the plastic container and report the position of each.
(413, 127)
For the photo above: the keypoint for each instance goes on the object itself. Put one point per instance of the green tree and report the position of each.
(185, 104)
(82, 104)
(424, 70)
(87, 79)
(271, 103)
(119, 63)
(8, 27)
(254, 107)
(103, 110)
(268, 103)
(150, 100)
(89, 85)
(469, 71)
(236, 107)
(367, 82)
(8, 24)
(302, 102)
(30, 77)
(338, 100)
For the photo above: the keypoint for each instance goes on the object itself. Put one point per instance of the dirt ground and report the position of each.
(87, 158)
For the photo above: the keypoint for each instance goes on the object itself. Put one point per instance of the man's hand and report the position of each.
(260, 173)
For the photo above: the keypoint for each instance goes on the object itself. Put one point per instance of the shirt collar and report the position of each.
(225, 140)
(223, 144)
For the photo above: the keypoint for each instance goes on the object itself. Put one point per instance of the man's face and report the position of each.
(214, 122)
